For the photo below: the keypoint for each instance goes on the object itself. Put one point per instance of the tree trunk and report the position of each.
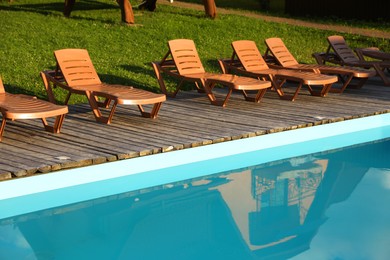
(126, 11)
(68, 7)
(210, 8)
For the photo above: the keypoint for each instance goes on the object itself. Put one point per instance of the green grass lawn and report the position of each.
(32, 30)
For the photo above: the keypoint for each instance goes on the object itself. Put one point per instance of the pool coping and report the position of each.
(100, 180)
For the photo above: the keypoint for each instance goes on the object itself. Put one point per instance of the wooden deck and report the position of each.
(185, 121)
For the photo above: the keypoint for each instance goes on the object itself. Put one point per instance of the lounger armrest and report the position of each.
(323, 57)
(229, 64)
(274, 66)
(55, 78)
(270, 60)
(373, 53)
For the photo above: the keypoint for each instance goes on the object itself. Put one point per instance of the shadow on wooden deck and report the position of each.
(184, 122)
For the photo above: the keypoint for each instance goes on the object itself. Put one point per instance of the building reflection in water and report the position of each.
(267, 211)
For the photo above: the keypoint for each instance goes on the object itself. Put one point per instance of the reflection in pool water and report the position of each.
(331, 205)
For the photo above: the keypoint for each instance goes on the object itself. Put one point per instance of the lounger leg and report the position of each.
(382, 74)
(257, 98)
(324, 91)
(260, 95)
(105, 104)
(48, 87)
(112, 111)
(2, 127)
(199, 89)
(153, 113)
(58, 123)
(95, 108)
(312, 92)
(278, 89)
(160, 80)
(319, 59)
(208, 87)
(296, 92)
(361, 82)
(346, 83)
(223, 67)
(277, 85)
(67, 98)
(45, 124)
(158, 71)
(178, 87)
(155, 110)
(359, 53)
(227, 97)
(56, 128)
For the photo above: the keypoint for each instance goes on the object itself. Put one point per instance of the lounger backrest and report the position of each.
(280, 52)
(2, 90)
(342, 49)
(185, 56)
(76, 67)
(249, 55)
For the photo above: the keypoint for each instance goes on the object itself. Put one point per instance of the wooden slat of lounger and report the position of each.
(77, 66)
(24, 107)
(186, 56)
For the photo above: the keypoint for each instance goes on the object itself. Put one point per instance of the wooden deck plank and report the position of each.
(186, 121)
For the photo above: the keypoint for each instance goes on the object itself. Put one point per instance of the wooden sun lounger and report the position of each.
(284, 59)
(18, 106)
(76, 74)
(340, 53)
(247, 60)
(185, 65)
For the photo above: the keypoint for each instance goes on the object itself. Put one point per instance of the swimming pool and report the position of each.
(146, 185)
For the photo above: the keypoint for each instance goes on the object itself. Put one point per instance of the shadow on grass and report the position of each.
(184, 12)
(12, 89)
(250, 5)
(138, 69)
(57, 8)
(113, 79)
(213, 64)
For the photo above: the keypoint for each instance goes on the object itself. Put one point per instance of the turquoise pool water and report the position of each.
(292, 195)
(328, 205)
